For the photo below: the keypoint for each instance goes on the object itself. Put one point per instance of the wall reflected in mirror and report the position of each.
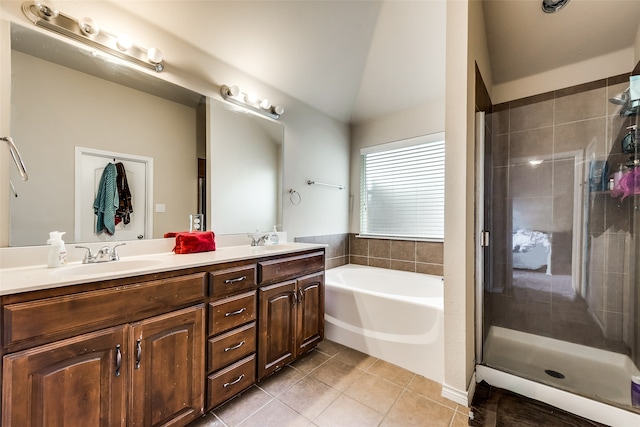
(246, 192)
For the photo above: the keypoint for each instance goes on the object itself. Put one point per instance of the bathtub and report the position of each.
(393, 315)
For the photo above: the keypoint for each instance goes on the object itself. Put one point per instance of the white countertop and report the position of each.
(37, 277)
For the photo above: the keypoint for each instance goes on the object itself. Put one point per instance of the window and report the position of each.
(402, 189)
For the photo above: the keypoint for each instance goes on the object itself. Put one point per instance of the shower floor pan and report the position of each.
(587, 371)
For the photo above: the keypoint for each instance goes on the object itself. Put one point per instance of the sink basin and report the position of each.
(107, 267)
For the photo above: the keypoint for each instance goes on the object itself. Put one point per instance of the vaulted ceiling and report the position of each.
(358, 60)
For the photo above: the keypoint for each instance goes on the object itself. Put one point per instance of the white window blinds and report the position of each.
(402, 189)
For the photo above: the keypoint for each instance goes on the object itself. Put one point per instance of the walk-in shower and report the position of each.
(561, 292)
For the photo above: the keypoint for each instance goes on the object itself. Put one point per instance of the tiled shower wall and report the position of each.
(406, 255)
(552, 126)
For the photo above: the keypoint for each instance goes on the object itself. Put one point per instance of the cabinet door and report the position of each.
(80, 381)
(167, 368)
(310, 324)
(277, 317)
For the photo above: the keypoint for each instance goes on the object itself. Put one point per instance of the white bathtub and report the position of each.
(396, 316)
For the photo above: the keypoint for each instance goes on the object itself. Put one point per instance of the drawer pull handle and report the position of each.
(233, 313)
(138, 353)
(234, 347)
(118, 360)
(236, 381)
(238, 279)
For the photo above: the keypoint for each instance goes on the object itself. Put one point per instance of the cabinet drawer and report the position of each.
(225, 384)
(290, 267)
(86, 311)
(231, 312)
(232, 280)
(231, 346)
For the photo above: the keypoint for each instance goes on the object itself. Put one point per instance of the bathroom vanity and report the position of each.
(157, 345)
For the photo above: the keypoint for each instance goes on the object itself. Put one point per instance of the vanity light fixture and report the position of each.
(251, 102)
(86, 31)
(552, 6)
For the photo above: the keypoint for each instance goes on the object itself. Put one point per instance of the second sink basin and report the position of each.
(107, 267)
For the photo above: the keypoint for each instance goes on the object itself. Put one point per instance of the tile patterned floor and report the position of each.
(336, 386)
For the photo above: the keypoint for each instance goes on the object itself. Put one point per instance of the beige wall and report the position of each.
(316, 146)
(466, 46)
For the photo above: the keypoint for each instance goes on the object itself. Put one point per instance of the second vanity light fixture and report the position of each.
(86, 31)
(251, 102)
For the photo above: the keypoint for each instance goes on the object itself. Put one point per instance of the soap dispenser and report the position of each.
(57, 252)
(274, 239)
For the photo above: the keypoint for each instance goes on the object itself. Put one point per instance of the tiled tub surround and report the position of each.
(405, 255)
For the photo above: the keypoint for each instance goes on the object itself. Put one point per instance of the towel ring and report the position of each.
(294, 197)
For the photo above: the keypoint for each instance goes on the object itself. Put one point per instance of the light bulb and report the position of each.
(124, 42)
(88, 27)
(265, 104)
(46, 9)
(251, 98)
(154, 55)
(234, 90)
(278, 109)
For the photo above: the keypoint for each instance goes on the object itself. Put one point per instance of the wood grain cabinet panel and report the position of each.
(231, 312)
(310, 321)
(280, 269)
(167, 368)
(224, 384)
(231, 346)
(85, 311)
(232, 280)
(80, 382)
(276, 339)
(291, 321)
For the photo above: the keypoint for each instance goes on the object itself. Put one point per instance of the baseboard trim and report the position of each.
(582, 406)
(459, 396)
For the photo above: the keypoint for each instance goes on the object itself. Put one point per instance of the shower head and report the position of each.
(620, 99)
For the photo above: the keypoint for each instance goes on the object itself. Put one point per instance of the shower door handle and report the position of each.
(484, 238)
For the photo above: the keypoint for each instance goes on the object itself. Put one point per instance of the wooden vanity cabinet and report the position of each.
(231, 344)
(148, 371)
(156, 350)
(291, 309)
(73, 382)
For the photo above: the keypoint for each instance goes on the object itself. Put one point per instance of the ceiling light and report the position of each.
(46, 9)
(154, 55)
(124, 42)
(44, 15)
(250, 101)
(552, 6)
(265, 104)
(535, 162)
(88, 27)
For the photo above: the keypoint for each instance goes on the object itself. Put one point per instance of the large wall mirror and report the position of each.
(65, 99)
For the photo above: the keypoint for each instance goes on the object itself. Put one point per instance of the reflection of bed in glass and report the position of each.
(531, 250)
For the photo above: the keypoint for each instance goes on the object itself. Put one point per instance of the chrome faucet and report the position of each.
(258, 239)
(104, 254)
